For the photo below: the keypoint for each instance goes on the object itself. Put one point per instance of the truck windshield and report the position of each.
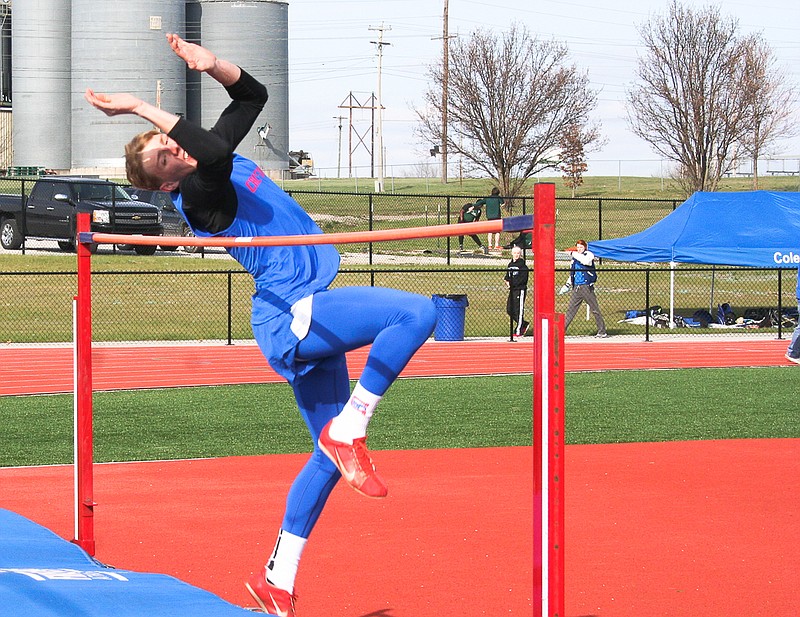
(97, 192)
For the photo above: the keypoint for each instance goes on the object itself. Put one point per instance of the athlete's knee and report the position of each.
(423, 313)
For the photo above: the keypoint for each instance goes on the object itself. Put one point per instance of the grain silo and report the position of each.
(61, 47)
(40, 59)
(5, 53)
(253, 34)
(121, 46)
(6, 124)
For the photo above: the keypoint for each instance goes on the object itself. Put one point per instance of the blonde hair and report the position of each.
(134, 168)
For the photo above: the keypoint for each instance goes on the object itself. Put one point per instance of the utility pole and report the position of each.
(445, 76)
(339, 161)
(379, 146)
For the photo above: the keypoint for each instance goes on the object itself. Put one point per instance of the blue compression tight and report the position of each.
(396, 323)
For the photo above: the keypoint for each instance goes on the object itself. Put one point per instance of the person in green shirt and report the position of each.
(523, 240)
(491, 206)
(469, 214)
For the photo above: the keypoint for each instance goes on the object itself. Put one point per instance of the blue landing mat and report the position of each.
(43, 575)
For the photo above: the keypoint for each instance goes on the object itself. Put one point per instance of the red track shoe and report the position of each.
(272, 600)
(354, 463)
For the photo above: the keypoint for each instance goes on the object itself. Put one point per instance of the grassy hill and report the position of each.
(594, 186)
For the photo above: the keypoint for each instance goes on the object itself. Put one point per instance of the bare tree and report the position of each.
(510, 100)
(769, 102)
(690, 105)
(423, 169)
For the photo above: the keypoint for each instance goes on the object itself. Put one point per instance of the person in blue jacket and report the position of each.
(793, 352)
(303, 328)
(582, 277)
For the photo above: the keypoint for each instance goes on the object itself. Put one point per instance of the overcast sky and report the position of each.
(330, 56)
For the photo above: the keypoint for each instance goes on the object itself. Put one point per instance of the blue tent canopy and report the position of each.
(755, 228)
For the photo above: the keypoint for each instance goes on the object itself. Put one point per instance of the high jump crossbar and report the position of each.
(510, 224)
(548, 387)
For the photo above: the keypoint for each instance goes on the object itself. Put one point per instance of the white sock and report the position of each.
(282, 565)
(352, 421)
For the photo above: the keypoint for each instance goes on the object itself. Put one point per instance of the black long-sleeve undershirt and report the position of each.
(209, 199)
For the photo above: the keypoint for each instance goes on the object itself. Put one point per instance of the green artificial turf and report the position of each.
(607, 407)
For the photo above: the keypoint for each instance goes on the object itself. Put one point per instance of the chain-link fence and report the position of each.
(343, 212)
(214, 304)
(590, 218)
(211, 305)
(349, 212)
(651, 302)
(200, 305)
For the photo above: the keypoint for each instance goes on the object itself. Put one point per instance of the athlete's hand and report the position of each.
(113, 104)
(196, 57)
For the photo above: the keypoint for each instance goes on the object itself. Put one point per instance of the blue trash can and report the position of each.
(450, 313)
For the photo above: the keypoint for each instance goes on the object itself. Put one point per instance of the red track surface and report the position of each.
(25, 370)
(455, 523)
(678, 529)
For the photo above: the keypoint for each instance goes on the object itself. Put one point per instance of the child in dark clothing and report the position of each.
(517, 282)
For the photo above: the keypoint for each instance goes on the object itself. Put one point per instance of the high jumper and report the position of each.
(303, 328)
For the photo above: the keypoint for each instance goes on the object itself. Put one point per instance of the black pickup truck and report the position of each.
(50, 210)
(171, 219)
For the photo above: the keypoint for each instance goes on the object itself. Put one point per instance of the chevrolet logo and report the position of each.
(136, 217)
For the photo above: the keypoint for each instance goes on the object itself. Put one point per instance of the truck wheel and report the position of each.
(186, 232)
(10, 238)
(143, 249)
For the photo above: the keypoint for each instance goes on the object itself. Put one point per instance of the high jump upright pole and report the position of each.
(83, 363)
(83, 446)
(548, 413)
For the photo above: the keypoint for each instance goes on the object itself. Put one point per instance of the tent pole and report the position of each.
(671, 294)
